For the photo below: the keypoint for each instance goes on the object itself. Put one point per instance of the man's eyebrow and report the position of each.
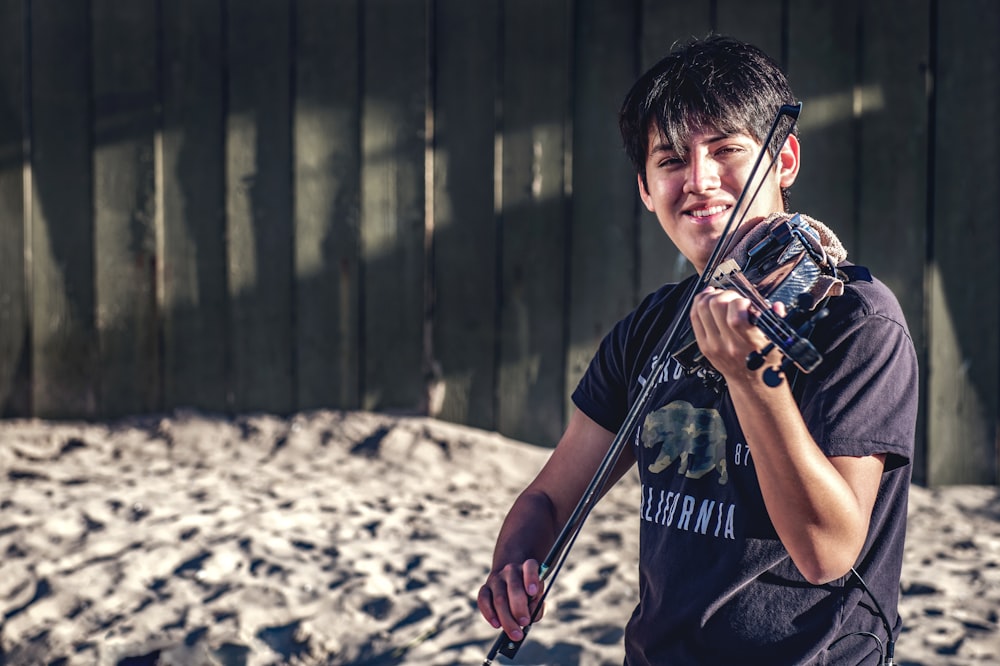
(666, 146)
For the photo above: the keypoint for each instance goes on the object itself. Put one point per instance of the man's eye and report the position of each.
(670, 162)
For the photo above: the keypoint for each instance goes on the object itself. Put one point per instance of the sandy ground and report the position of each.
(354, 538)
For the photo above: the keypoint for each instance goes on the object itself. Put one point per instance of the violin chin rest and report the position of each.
(825, 286)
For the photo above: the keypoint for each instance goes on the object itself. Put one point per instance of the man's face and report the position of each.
(693, 195)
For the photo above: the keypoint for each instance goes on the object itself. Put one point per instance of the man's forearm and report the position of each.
(528, 531)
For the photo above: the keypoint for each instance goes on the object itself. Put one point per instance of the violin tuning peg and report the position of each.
(754, 360)
(772, 377)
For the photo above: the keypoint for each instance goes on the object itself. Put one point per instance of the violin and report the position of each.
(788, 266)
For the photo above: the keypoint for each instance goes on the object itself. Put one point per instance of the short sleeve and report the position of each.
(862, 400)
(614, 377)
(601, 393)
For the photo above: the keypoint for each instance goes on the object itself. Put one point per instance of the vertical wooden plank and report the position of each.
(892, 168)
(603, 261)
(392, 203)
(823, 56)
(14, 348)
(64, 343)
(258, 205)
(669, 24)
(466, 70)
(664, 25)
(759, 22)
(327, 192)
(536, 98)
(964, 282)
(124, 88)
(193, 253)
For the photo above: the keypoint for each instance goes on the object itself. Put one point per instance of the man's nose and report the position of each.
(702, 174)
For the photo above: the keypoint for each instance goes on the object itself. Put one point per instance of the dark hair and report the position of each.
(717, 82)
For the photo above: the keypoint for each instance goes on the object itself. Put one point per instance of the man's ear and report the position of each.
(644, 193)
(788, 162)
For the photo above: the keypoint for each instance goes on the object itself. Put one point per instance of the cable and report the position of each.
(886, 651)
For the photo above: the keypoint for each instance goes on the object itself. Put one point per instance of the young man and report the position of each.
(761, 506)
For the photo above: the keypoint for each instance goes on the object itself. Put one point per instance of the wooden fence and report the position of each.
(423, 205)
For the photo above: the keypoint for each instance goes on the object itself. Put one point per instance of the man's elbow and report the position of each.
(820, 576)
(822, 568)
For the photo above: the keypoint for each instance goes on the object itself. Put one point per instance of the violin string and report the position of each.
(766, 318)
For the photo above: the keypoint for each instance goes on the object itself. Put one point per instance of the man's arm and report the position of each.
(535, 519)
(820, 506)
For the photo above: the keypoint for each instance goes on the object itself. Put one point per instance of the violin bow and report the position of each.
(552, 564)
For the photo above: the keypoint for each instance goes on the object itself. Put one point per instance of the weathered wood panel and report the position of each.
(125, 214)
(760, 22)
(963, 403)
(393, 173)
(892, 103)
(14, 330)
(466, 89)
(823, 52)
(259, 205)
(664, 25)
(192, 276)
(327, 154)
(603, 259)
(368, 204)
(64, 341)
(536, 102)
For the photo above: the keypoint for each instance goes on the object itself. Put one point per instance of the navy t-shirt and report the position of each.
(716, 586)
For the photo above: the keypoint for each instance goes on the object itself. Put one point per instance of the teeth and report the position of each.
(705, 212)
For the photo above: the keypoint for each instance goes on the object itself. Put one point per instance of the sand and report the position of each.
(356, 538)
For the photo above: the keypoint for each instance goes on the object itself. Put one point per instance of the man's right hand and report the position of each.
(505, 600)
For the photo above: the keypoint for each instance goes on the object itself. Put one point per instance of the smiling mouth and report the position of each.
(708, 212)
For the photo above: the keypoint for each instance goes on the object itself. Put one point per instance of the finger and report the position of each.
(741, 320)
(535, 587)
(721, 320)
(502, 606)
(718, 301)
(485, 602)
(727, 309)
(701, 314)
(712, 317)
(532, 578)
(737, 314)
(519, 600)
